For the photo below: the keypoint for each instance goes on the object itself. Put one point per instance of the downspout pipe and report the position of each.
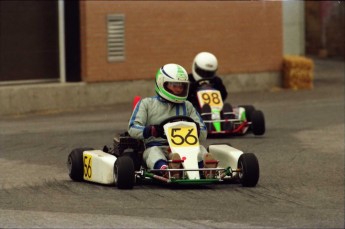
(62, 56)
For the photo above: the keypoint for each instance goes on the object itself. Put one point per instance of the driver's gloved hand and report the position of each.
(203, 82)
(151, 130)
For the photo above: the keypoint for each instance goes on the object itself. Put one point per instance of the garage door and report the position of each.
(29, 49)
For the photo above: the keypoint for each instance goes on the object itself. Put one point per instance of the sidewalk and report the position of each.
(57, 97)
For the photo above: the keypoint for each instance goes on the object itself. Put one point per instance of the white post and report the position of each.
(61, 18)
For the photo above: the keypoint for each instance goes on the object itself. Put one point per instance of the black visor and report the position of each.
(177, 88)
(204, 73)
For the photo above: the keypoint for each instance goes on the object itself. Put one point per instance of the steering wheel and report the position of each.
(160, 129)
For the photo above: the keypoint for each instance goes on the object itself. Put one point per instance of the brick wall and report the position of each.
(245, 36)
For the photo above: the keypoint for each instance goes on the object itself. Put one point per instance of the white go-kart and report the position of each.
(123, 166)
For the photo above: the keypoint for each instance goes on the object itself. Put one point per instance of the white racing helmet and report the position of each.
(204, 67)
(175, 76)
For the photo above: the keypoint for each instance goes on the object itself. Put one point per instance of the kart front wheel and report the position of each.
(75, 164)
(258, 123)
(227, 109)
(206, 114)
(249, 109)
(124, 173)
(249, 170)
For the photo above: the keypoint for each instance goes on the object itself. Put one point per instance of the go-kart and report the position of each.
(123, 165)
(224, 119)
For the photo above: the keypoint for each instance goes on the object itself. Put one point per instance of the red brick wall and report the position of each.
(245, 36)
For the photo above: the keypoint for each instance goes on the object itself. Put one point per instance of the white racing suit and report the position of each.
(154, 110)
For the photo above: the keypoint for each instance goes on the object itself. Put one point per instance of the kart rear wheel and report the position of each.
(124, 174)
(75, 164)
(249, 166)
(258, 123)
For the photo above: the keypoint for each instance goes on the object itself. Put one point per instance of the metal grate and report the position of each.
(116, 37)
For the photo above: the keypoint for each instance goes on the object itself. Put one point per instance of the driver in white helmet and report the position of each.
(171, 86)
(204, 68)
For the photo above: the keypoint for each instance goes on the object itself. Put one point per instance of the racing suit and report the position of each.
(152, 111)
(215, 82)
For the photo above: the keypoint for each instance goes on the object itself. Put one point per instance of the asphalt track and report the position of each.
(301, 160)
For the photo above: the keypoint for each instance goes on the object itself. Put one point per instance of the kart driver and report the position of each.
(171, 86)
(204, 70)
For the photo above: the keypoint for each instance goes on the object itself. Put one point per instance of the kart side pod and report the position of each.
(226, 155)
(98, 166)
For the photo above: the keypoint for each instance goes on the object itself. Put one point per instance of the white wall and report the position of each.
(293, 28)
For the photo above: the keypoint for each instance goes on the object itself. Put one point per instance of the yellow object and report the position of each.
(87, 161)
(298, 72)
(183, 136)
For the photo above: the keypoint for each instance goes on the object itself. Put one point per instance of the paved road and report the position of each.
(301, 159)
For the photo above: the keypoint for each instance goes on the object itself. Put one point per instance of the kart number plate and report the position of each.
(87, 161)
(183, 136)
(210, 97)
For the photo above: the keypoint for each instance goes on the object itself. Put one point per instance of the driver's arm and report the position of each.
(138, 121)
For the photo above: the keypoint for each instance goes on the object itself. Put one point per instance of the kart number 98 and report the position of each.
(213, 98)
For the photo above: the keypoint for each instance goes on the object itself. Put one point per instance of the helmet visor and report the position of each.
(179, 89)
(205, 74)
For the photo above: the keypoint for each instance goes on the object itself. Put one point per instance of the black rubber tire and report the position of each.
(227, 108)
(124, 173)
(250, 172)
(207, 117)
(249, 111)
(258, 123)
(136, 158)
(75, 164)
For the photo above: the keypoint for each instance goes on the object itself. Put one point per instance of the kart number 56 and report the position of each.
(87, 167)
(183, 136)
